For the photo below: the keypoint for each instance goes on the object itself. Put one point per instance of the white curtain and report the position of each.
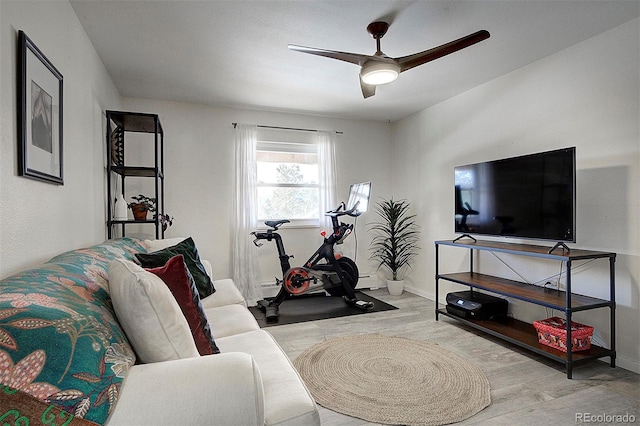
(244, 257)
(327, 174)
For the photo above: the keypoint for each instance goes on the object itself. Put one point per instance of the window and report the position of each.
(288, 188)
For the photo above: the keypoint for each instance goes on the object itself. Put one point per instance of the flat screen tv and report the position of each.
(531, 196)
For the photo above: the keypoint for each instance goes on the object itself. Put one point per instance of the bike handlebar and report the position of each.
(351, 212)
(275, 224)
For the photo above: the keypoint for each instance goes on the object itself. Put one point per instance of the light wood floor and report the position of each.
(526, 389)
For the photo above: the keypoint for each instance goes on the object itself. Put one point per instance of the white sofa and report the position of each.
(251, 382)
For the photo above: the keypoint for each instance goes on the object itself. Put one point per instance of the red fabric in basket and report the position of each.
(553, 332)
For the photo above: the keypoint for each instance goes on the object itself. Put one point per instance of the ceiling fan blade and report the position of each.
(410, 61)
(353, 58)
(368, 90)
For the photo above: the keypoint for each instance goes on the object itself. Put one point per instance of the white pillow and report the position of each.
(149, 314)
(155, 245)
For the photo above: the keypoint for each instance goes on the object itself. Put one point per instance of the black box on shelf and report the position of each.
(476, 305)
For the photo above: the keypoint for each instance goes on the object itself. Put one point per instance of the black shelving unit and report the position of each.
(521, 333)
(119, 125)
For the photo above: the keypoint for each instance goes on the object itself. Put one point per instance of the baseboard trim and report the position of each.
(627, 364)
(418, 292)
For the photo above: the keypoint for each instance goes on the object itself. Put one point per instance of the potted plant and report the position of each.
(395, 240)
(165, 220)
(141, 206)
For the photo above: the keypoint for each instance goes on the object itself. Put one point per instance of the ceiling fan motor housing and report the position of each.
(376, 73)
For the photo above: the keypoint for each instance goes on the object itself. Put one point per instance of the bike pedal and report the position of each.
(360, 304)
(364, 305)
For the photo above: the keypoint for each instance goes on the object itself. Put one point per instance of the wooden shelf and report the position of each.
(119, 222)
(136, 121)
(530, 293)
(525, 335)
(137, 171)
(527, 250)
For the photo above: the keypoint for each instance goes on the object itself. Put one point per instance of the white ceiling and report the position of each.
(234, 53)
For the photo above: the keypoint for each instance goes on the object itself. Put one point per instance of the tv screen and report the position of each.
(531, 196)
(359, 193)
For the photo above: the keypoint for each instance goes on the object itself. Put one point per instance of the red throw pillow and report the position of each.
(177, 277)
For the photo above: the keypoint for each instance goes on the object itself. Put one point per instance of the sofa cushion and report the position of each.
(180, 282)
(155, 245)
(149, 314)
(231, 319)
(287, 401)
(226, 294)
(191, 257)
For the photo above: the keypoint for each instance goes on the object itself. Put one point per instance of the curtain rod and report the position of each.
(286, 128)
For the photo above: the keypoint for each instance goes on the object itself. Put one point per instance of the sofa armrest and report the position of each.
(224, 389)
(226, 294)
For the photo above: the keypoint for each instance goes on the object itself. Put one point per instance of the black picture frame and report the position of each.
(39, 115)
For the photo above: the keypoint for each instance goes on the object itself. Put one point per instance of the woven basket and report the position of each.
(553, 332)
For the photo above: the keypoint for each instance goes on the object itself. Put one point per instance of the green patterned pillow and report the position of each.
(23, 409)
(60, 341)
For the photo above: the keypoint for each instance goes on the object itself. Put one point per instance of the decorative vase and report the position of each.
(139, 211)
(395, 287)
(120, 210)
(120, 205)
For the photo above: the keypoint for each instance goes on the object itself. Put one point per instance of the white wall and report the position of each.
(199, 170)
(39, 220)
(585, 96)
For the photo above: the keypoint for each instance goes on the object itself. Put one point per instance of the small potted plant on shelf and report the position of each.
(165, 220)
(141, 206)
(395, 241)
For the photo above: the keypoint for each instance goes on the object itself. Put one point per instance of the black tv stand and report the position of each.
(521, 333)
(561, 245)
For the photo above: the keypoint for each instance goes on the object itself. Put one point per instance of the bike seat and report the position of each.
(275, 223)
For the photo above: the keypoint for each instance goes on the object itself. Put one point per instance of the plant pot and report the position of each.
(395, 287)
(139, 211)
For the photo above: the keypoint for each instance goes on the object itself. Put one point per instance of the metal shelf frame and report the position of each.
(518, 332)
(119, 123)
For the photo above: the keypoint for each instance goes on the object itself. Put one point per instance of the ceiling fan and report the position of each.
(381, 69)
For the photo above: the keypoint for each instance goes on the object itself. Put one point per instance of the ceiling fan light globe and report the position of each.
(377, 73)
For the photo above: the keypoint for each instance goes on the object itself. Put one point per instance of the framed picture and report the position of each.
(39, 115)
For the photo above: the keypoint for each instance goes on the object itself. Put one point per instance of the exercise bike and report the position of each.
(325, 269)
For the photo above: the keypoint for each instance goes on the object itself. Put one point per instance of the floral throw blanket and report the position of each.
(60, 341)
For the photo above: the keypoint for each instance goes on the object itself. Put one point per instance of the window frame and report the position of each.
(290, 147)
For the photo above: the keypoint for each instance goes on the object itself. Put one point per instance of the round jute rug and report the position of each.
(393, 380)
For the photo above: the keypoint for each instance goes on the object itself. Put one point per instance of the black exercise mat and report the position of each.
(317, 306)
